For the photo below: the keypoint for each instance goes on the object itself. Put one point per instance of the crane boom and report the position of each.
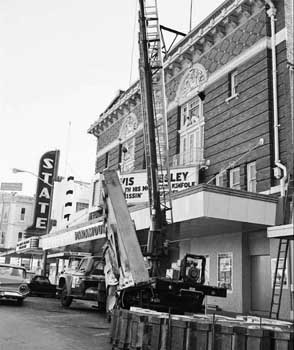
(121, 233)
(155, 127)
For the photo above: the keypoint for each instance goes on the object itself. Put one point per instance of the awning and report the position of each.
(74, 235)
(12, 253)
(216, 209)
(282, 231)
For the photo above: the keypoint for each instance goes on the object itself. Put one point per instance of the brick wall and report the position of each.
(230, 128)
(284, 109)
(173, 135)
(232, 45)
(139, 151)
(234, 127)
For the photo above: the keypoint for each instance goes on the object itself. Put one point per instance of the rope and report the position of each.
(232, 164)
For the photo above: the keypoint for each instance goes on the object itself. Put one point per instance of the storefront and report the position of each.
(77, 241)
(27, 253)
(229, 227)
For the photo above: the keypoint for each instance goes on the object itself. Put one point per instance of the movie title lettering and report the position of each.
(88, 232)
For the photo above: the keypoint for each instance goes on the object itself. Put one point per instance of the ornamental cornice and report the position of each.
(123, 106)
(210, 32)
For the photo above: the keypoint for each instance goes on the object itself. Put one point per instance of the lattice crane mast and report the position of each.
(154, 126)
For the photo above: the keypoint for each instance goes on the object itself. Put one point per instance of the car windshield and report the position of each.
(11, 271)
(42, 280)
(83, 265)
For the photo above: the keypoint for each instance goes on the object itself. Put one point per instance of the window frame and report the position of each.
(233, 86)
(220, 179)
(81, 206)
(191, 130)
(251, 180)
(106, 164)
(127, 164)
(22, 214)
(186, 111)
(236, 186)
(96, 193)
(227, 255)
(233, 83)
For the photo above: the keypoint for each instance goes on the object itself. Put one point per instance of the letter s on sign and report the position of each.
(48, 163)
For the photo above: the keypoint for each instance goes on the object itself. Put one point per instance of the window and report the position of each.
(221, 179)
(2, 237)
(106, 160)
(235, 178)
(81, 206)
(127, 147)
(225, 270)
(128, 155)
(233, 83)
(96, 193)
(251, 177)
(22, 214)
(191, 111)
(191, 133)
(19, 237)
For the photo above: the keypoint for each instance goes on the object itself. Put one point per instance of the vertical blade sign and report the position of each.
(46, 176)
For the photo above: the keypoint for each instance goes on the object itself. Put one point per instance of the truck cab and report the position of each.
(86, 282)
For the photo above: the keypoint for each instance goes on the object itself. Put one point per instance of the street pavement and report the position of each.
(42, 324)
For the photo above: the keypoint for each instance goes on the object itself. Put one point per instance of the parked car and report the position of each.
(41, 286)
(13, 283)
(30, 275)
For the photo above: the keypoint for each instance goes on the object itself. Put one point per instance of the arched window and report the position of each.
(127, 138)
(192, 118)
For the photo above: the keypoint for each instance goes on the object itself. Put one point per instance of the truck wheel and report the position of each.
(64, 298)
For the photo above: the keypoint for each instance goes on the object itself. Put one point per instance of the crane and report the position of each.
(154, 127)
(137, 286)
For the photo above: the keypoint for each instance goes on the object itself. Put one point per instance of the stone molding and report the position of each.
(129, 127)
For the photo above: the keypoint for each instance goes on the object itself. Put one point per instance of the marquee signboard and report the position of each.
(136, 189)
(26, 245)
(46, 176)
(82, 234)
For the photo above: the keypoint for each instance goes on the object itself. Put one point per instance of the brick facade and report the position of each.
(234, 38)
(231, 128)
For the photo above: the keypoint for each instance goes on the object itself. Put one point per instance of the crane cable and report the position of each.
(133, 44)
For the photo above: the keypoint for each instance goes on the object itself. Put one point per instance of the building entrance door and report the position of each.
(260, 283)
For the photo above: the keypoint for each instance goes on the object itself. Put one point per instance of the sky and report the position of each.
(61, 64)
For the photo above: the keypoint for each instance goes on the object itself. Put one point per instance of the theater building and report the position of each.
(230, 136)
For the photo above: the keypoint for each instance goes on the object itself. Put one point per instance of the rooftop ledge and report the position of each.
(282, 231)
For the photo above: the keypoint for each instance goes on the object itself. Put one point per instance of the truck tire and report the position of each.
(64, 298)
